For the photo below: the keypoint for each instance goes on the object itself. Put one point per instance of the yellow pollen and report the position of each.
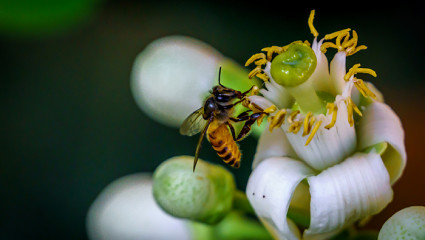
(254, 72)
(292, 115)
(324, 47)
(332, 109)
(336, 34)
(343, 42)
(254, 58)
(360, 85)
(260, 119)
(313, 132)
(272, 50)
(270, 109)
(310, 24)
(307, 123)
(295, 127)
(348, 102)
(277, 120)
(263, 77)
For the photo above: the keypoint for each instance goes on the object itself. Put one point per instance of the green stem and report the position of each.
(240, 202)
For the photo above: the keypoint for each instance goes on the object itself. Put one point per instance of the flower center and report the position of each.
(292, 66)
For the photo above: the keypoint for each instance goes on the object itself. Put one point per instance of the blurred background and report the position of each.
(70, 125)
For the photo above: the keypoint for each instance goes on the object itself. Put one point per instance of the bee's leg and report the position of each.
(232, 130)
(248, 123)
(243, 116)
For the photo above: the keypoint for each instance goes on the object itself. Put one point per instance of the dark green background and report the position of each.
(70, 126)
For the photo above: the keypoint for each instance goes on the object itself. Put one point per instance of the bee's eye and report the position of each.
(222, 98)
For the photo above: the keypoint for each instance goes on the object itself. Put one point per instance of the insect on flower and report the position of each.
(215, 119)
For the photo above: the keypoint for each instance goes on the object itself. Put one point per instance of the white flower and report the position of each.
(126, 210)
(331, 157)
(172, 76)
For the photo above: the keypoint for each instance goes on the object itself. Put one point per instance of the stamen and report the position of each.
(363, 89)
(260, 119)
(310, 24)
(272, 50)
(327, 45)
(313, 132)
(295, 127)
(362, 47)
(349, 111)
(254, 72)
(292, 116)
(263, 77)
(307, 123)
(277, 120)
(254, 58)
(332, 109)
(360, 85)
(270, 109)
(336, 34)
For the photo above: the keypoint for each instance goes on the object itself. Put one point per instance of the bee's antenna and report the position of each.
(219, 77)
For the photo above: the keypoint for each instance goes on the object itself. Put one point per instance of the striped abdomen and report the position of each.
(222, 141)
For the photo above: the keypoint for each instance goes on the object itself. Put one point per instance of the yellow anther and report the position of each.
(307, 123)
(357, 69)
(366, 70)
(295, 127)
(310, 24)
(327, 45)
(272, 50)
(333, 109)
(254, 107)
(313, 132)
(336, 34)
(351, 52)
(349, 111)
(306, 42)
(260, 119)
(254, 91)
(270, 109)
(277, 120)
(254, 58)
(352, 42)
(340, 37)
(254, 72)
(351, 71)
(292, 116)
(363, 89)
(263, 77)
(261, 62)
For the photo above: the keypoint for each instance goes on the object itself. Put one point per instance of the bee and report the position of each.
(215, 120)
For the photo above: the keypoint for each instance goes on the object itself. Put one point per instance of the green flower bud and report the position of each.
(205, 195)
(294, 66)
(408, 224)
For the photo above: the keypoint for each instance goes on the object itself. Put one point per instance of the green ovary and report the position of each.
(294, 66)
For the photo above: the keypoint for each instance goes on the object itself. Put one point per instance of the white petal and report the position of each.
(126, 210)
(275, 92)
(380, 124)
(270, 189)
(342, 194)
(328, 146)
(338, 71)
(170, 68)
(320, 76)
(272, 144)
(262, 102)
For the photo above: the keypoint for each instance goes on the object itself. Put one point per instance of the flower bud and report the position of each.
(408, 223)
(205, 195)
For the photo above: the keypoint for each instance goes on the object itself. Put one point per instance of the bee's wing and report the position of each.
(201, 139)
(194, 123)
